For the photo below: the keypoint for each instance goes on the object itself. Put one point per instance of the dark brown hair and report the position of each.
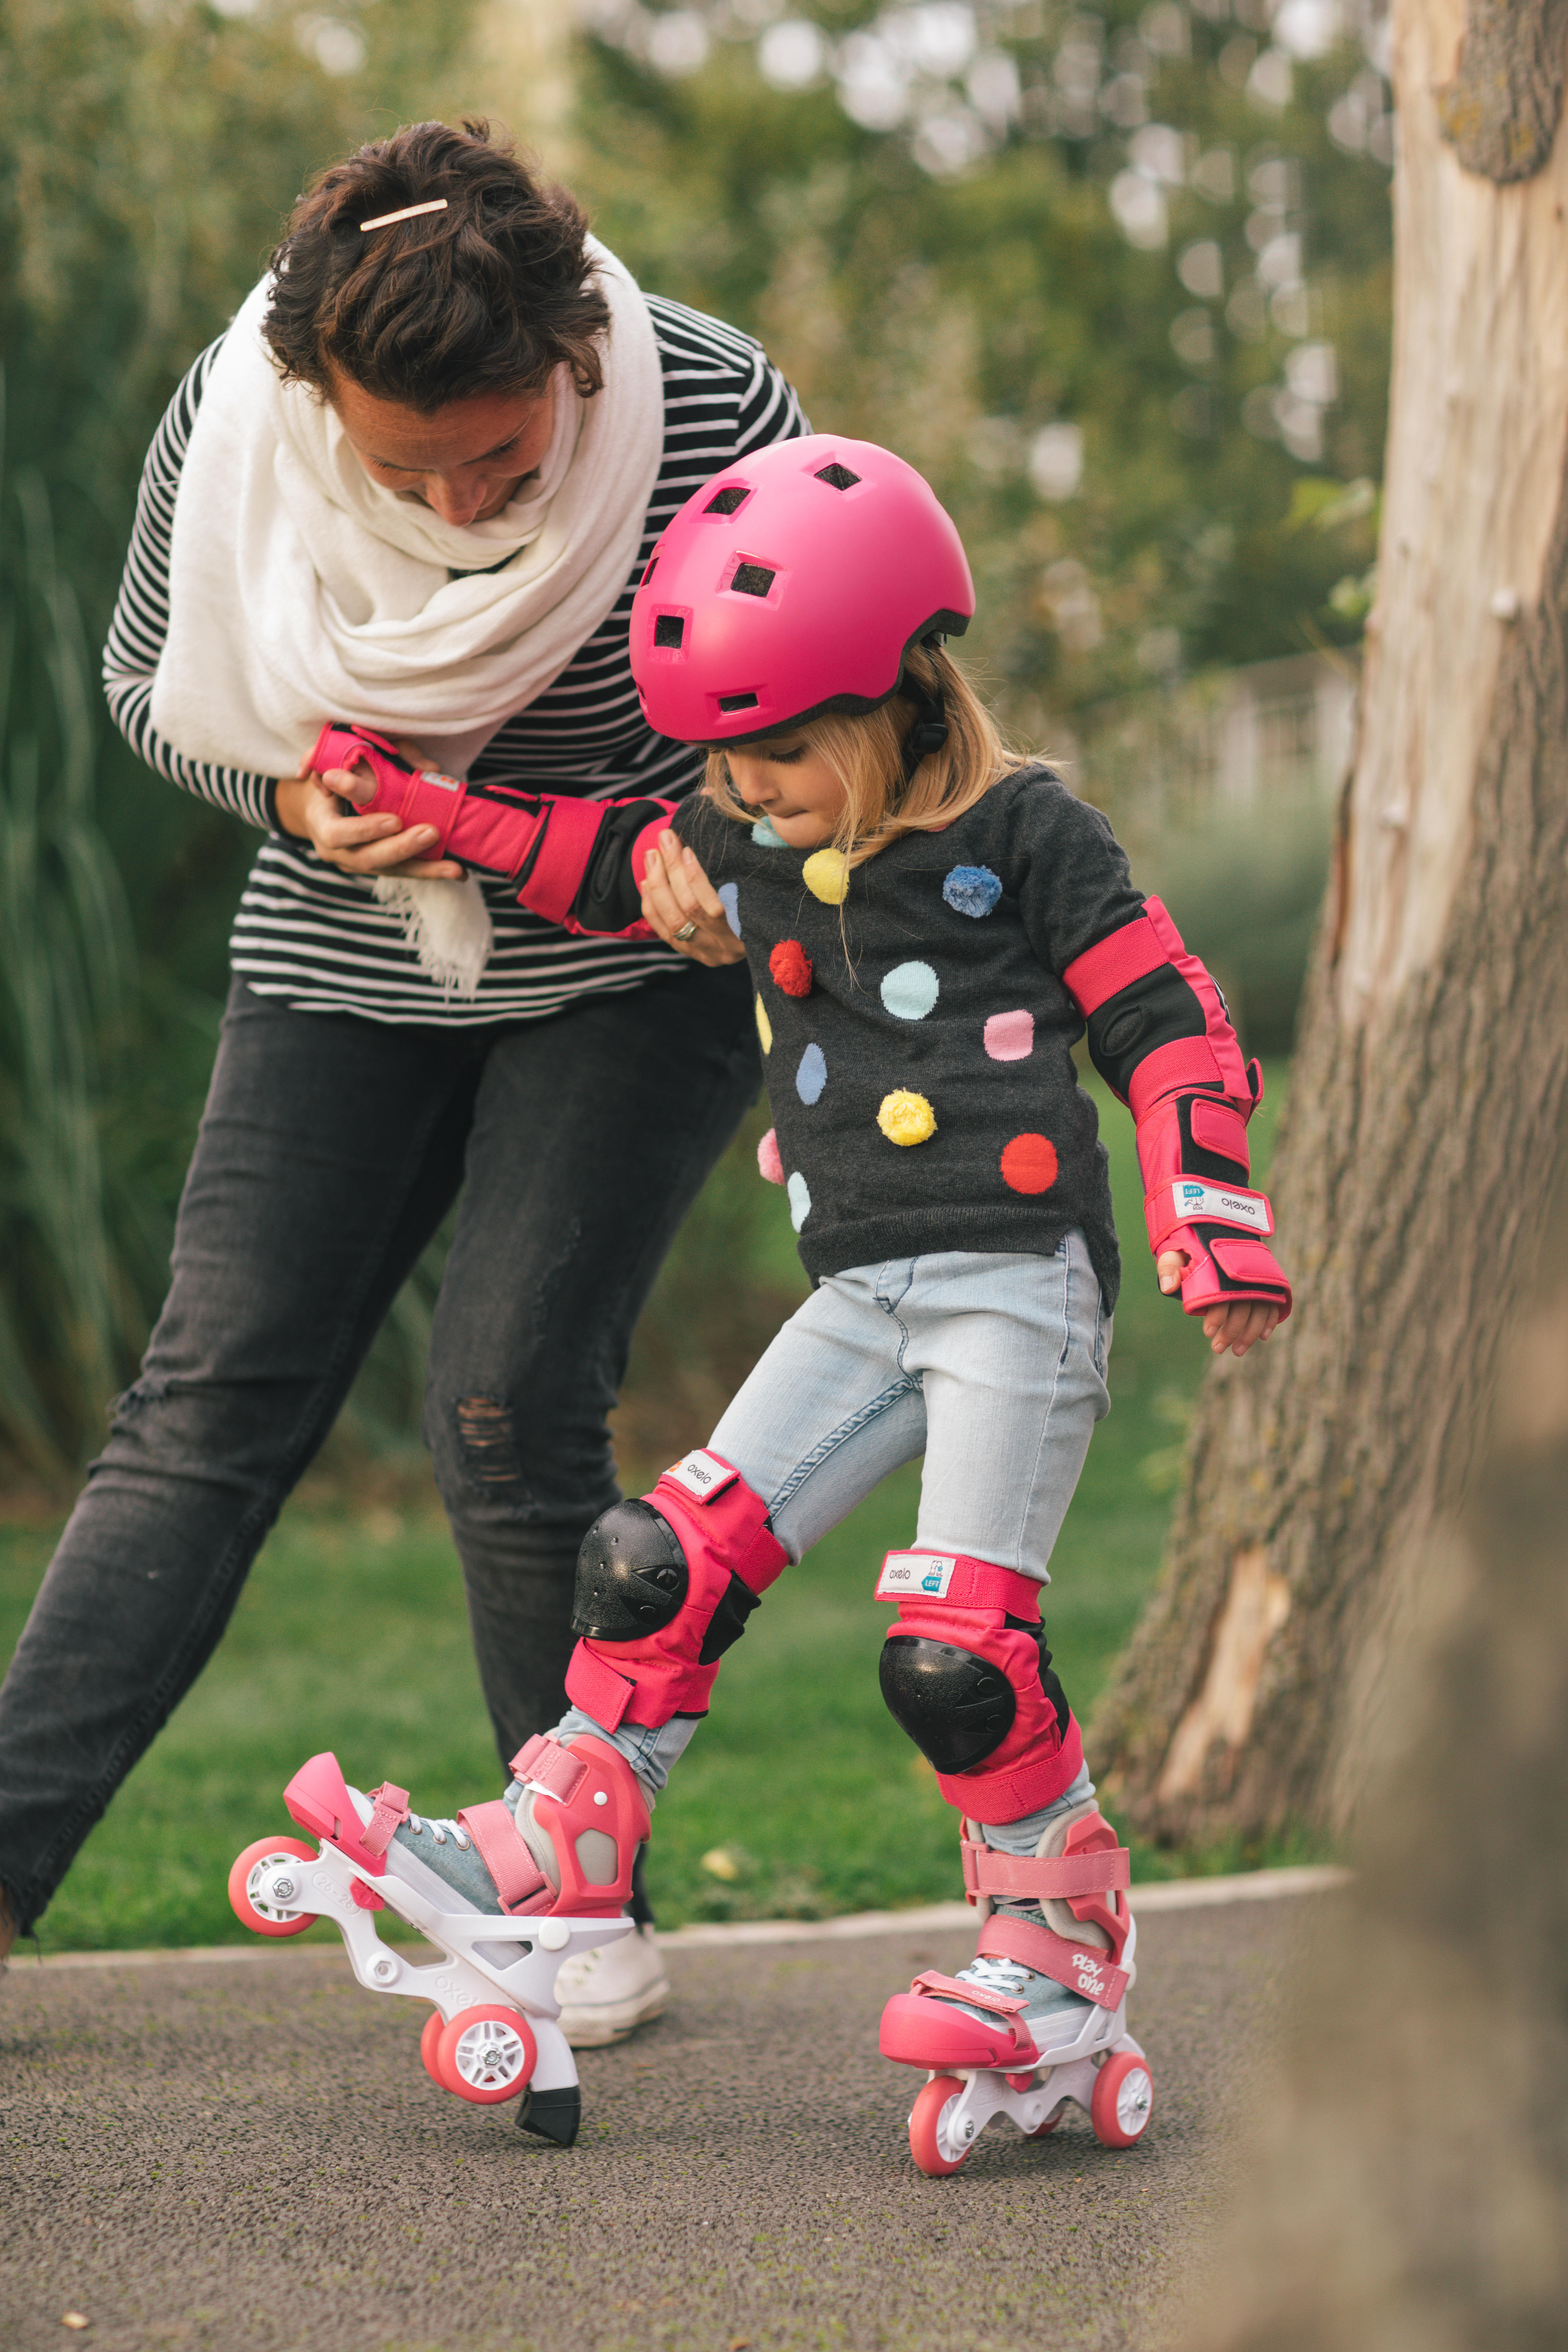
(493, 293)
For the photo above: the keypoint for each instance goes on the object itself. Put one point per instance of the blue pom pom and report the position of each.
(730, 899)
(812, 1074)
(972, 889)
(766, 838)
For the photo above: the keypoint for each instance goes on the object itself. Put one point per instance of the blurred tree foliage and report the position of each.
(148, 155)
(1116, 282)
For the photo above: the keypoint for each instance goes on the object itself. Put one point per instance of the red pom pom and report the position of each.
(790, 968)
(1029, 1163)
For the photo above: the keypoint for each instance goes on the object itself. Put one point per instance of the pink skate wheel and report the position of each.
(264, 1917)
(435, 2026)
(1122, 2101)
(927, 2141)
(485, 2055)
(1044, 2131)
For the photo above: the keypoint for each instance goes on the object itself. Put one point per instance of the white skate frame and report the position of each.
(1065, 2070)
(464, 1980)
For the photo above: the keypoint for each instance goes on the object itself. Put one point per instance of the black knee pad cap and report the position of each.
(631, 1575)
(956, 1708)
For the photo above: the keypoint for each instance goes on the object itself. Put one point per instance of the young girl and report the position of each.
(929, 922)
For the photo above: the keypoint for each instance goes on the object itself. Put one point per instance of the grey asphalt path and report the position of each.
(248, 2157)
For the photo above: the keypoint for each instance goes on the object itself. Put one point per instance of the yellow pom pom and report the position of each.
(765, 1028)
(826, 877)
(905, 1117)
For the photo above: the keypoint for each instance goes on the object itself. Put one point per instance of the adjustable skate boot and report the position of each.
(507, 1890)
(1039, 2016)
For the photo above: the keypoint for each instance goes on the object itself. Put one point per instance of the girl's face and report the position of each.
(791, 785)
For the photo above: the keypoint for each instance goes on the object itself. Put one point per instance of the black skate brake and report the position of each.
(551, 2115)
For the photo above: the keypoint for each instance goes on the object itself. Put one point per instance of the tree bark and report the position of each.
(1412, 1165)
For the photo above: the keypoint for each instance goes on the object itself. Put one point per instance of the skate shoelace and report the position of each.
(420, 1822)
(993, 1974)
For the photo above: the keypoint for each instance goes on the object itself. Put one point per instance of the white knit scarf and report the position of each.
(300, 590)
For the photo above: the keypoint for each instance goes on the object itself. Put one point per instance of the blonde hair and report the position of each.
(867, 755)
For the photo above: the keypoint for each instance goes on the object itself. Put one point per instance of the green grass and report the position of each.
(351, 1634)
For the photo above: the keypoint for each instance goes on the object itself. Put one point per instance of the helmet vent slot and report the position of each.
(648, 575)
(752, 579)
(725, 501)
(838, 476)
(669, 629)
(737, 702)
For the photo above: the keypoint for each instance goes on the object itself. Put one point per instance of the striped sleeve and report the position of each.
(141, 622)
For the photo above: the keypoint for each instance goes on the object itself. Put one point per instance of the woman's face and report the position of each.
(465, 463)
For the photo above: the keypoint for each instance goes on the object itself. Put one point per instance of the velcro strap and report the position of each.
(545, 1764)
(702, 1476)
(961, 1581)
(1199, 1200)
(1187, 1064)
(391, 1804)
(1079, 1966)
(571, 835)
(504, 1854)
(1103, 971)
(1031, 1878)
(598, 1689)
(978, 1996)
(1249, 1266)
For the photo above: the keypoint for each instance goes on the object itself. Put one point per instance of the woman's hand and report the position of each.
(311, 808)
(675, 892)
(1236, 1327)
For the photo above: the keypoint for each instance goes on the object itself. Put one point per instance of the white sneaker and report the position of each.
(608, 1993)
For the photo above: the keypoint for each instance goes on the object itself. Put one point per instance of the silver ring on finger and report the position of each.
(687, 931)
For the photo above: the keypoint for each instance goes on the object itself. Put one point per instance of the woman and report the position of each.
(412, 487)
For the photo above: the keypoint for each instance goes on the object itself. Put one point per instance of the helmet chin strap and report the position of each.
(928, 729)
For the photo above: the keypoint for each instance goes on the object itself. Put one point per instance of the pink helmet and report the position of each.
(794, 582)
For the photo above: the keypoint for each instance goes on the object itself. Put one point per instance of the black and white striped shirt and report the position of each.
(315, 937)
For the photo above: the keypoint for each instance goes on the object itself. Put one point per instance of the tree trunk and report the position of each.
(1412, 1166)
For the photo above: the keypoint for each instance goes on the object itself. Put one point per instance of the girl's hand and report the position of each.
(1236, 1327)
(310, 807)
(675, 892)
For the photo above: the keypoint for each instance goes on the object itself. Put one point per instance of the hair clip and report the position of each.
(409, 212)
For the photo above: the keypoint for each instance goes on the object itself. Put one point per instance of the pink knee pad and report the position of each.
(965, 1672)
(665, 1584)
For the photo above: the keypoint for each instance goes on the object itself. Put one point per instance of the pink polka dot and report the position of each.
(1029, 1163)
(768, 1163)
(1010, 1037)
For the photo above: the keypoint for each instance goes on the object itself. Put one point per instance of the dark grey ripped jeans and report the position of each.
(329, 1153)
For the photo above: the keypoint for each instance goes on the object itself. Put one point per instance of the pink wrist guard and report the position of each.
(495, 834)
(1192, 1097)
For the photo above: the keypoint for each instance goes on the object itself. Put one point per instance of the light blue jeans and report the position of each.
(991, 1366)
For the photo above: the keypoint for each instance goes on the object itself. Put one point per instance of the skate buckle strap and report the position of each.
(391, 1804)
(1079, 1966)
(1028, 1878)
(517, 1876)
(1000, 2005)
(544, 1764)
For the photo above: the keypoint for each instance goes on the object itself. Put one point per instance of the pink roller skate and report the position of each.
(1039, 2016)
(507, 1890)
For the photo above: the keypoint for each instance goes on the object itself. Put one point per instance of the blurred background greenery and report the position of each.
(1116, 278)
